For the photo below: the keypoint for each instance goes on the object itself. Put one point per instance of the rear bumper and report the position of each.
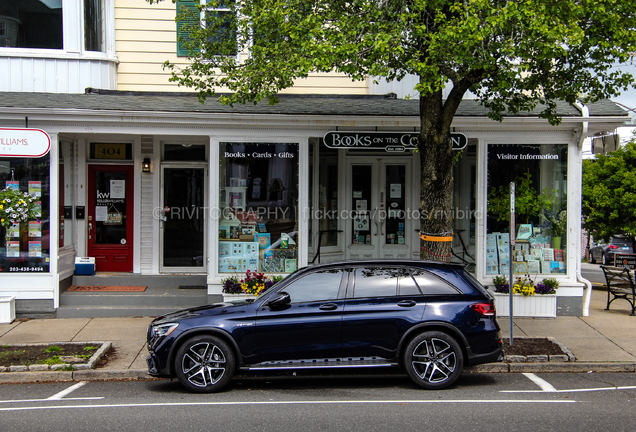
(491, 357)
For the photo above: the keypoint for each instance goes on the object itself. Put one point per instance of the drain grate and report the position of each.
(193, 287)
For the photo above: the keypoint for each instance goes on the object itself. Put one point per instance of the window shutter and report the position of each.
(182, 32)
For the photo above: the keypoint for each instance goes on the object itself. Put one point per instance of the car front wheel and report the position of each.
(204, 364)
(433, 360)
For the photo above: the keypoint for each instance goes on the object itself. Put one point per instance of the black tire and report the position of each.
(204, 364)
(433, 360)
(592, 260)
(604, 259)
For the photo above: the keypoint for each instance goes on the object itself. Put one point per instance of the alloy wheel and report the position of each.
(434, 360)
(203, 364)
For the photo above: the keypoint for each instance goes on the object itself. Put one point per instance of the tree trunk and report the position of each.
(436, 161)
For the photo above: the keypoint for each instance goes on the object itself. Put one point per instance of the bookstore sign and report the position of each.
(388, 141)
(27, 143)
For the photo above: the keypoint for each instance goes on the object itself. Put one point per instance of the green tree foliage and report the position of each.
(609, 193)
(528, 202)
(514, 55)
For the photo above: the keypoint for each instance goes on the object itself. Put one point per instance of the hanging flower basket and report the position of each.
(16, 207)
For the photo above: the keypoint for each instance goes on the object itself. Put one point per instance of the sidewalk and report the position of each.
(603, 341)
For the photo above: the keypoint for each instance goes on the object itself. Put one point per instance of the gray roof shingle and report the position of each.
(341, 105)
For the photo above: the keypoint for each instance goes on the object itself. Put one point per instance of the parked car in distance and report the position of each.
(427, 317)
(604, 253)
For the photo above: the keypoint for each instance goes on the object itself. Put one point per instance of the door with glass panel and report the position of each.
(379, 206)
(184, 218)
(111, 217)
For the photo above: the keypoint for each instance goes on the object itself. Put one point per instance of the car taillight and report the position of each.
(612, 247)
(485, 309)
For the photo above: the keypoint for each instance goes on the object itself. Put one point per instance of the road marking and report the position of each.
(48, 400)
(68, 391)
(335, 402)
(572, 390)
(543, 384)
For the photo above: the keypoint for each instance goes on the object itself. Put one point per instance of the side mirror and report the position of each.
(279, 300)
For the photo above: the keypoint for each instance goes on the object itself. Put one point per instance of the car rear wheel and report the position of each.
(592, 260)
(204, 364)
(433, 360)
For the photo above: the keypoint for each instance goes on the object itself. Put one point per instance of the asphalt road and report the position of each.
(479, 402)
(593, 273)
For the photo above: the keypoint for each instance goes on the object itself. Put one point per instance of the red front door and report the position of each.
(110, 217)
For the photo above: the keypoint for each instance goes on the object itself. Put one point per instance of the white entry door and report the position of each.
(379, 202)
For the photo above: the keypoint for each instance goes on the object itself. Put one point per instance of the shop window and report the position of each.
(24, 189)
(325, 213)
(464, 211)
(258, 196)
(33, 24)
(540, 176)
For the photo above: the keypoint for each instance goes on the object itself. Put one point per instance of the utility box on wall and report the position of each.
(85, 266)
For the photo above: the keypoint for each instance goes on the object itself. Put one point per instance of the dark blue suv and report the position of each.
(430, 318)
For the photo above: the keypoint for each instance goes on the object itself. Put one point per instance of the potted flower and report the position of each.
(557, 222)
(501, 284)
(529, 299)
(250, 286)
(547, 286)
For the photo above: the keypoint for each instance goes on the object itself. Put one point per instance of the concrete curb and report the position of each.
(90, 363)
(142, 374)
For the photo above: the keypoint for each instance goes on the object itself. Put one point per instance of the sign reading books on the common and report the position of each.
(27, 143)
(387, 141)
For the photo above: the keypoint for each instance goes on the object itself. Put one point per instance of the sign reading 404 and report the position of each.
(388, 141)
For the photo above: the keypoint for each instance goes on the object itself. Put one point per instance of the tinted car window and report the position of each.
(377, 282)
(431, 284)
(407, 286)
(317, 286)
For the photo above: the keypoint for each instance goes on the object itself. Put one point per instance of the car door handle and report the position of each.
(407, 303)
(328, 306)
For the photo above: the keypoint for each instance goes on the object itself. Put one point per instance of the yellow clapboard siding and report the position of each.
(165, 5)
(164, 48)
(144, 36)
(147, 25)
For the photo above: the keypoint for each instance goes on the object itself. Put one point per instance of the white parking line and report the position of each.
(572, 390)
(543, 384)
(334, 402)
(47, 400)
(69, 390)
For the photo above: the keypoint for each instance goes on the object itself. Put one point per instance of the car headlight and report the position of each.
(163, 329)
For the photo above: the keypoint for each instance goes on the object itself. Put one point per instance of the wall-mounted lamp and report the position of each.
(145, 165)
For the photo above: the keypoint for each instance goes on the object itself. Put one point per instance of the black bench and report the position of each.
(620, 285)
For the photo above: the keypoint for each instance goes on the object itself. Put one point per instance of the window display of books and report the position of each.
(530, 255)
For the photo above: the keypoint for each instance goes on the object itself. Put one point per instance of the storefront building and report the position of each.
(158, 184)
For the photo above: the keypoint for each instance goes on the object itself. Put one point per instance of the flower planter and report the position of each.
(540, 305)
(7, 309)
(235, 297)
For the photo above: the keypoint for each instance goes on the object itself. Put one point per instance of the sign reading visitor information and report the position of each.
(388, 141)
(28, 143)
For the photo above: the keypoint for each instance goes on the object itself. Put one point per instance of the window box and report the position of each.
(235, 297)
(537, 306)
(7, 309)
